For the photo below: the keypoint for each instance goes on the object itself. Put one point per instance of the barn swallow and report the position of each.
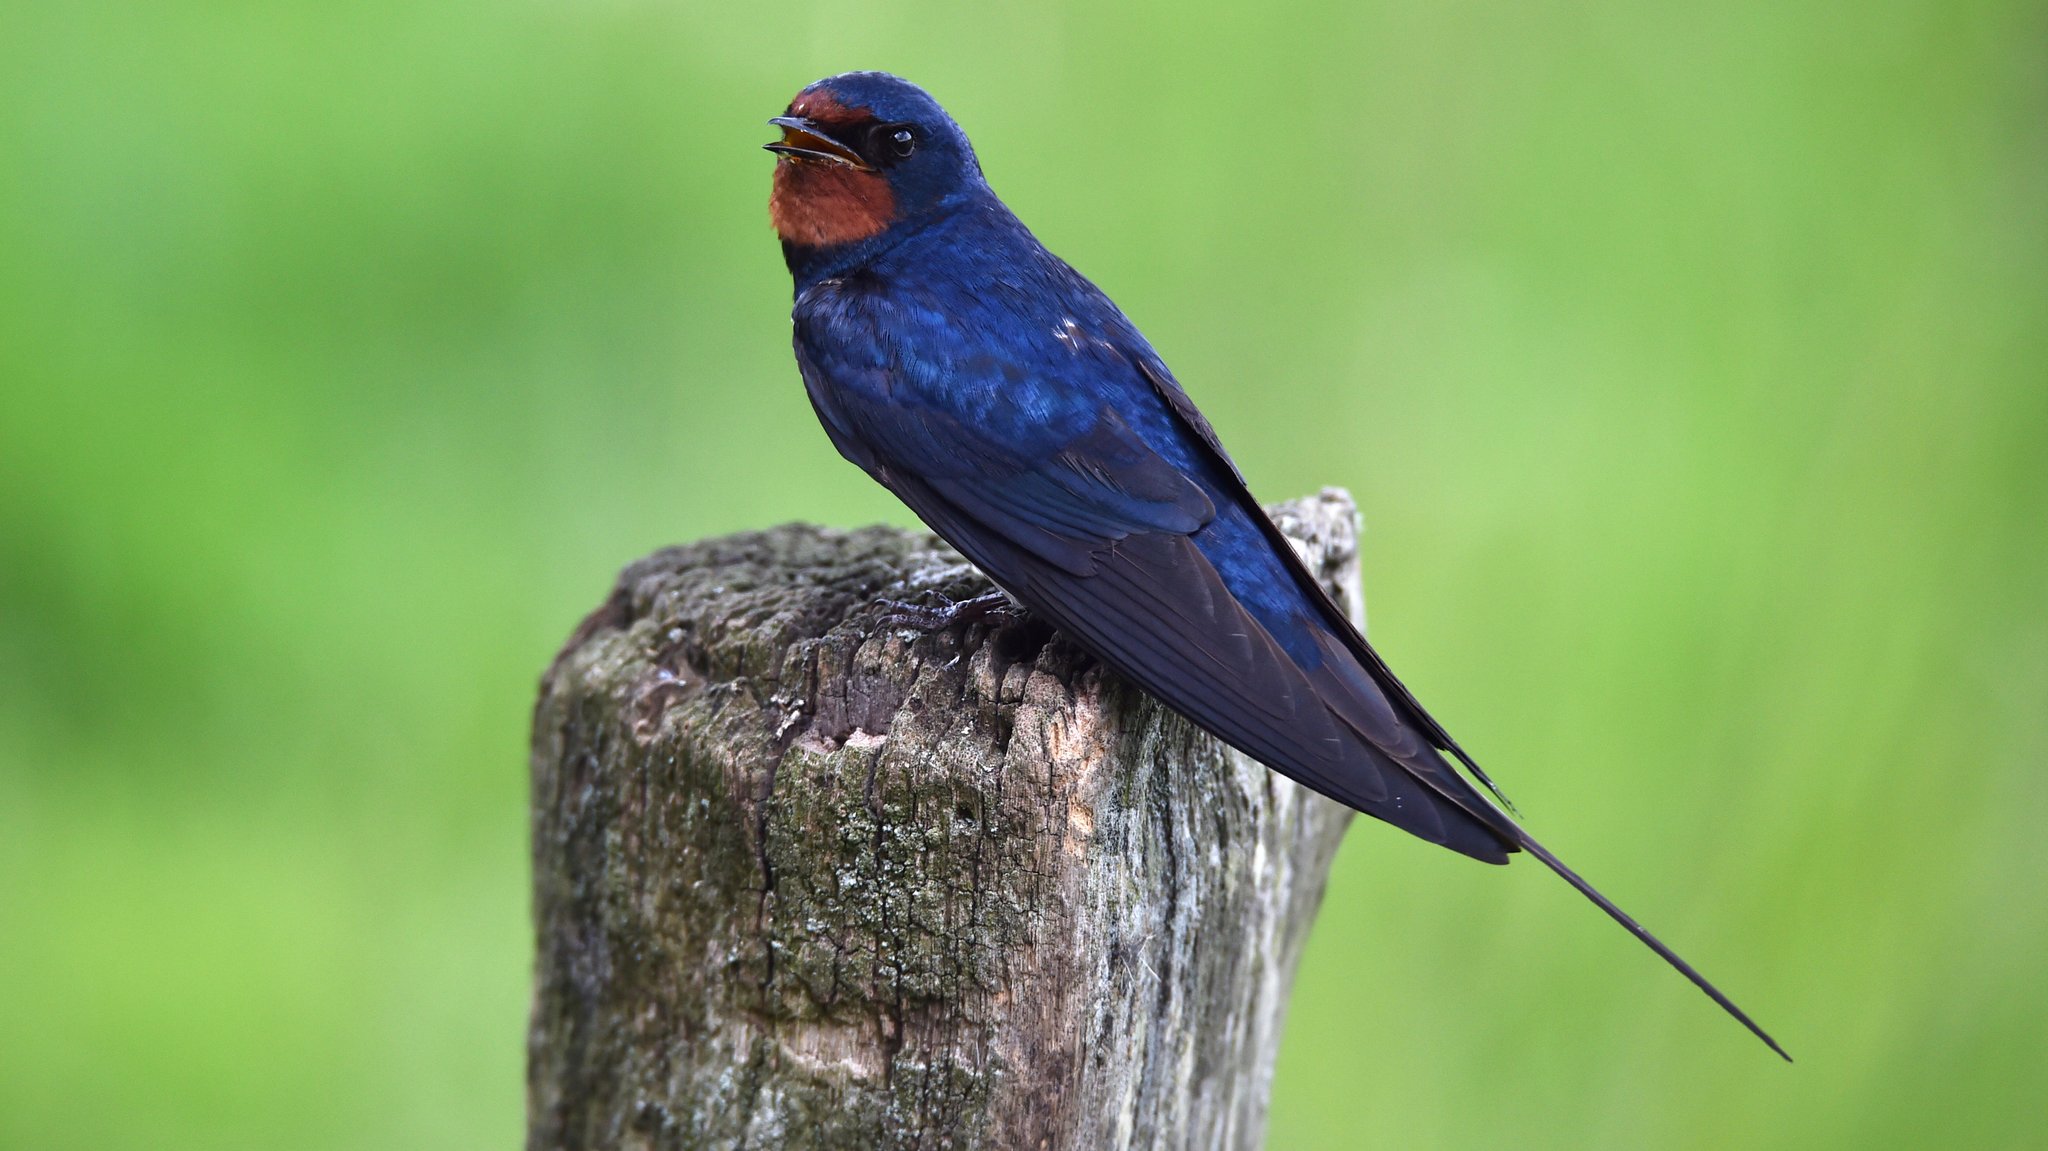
(1011, 405)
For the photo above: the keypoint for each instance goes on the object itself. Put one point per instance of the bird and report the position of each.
(1009, 403)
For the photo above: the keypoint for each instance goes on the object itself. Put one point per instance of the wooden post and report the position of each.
(805, 881)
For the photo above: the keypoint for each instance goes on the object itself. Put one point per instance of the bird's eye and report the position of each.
(901, 140)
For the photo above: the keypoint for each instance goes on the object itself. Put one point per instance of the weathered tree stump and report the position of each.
(805, 881)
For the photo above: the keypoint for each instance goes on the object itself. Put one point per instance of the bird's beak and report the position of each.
(803, 141)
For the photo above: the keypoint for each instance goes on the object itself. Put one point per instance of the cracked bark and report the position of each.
(803, 881)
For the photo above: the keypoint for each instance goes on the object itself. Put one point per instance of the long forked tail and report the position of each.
(1655, 944)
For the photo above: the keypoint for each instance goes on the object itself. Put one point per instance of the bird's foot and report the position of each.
(948, 612)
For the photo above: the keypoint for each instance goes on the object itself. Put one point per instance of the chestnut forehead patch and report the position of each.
(821, 105)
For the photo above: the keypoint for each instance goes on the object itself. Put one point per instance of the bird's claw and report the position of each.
(948, 613)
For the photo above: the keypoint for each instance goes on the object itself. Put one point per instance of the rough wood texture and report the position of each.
(802, 881)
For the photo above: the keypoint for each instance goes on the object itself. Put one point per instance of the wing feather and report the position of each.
(1158, 611)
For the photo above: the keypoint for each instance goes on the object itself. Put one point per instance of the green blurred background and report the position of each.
(1691, 367)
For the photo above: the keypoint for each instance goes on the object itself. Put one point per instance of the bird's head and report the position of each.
(861, 153)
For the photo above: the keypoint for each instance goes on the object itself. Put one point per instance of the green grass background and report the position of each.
(1690, 363)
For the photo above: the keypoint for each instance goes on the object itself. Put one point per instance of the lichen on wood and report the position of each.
(803, 880)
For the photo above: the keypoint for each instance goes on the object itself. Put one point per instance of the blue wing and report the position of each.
(1121, 522)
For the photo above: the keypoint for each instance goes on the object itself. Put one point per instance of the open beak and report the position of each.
(805, 142)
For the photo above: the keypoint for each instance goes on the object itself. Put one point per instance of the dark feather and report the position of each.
(1157, 611)
(1177, 401)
